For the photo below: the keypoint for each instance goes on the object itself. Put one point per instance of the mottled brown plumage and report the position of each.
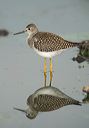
(48, 42)
(44, 103)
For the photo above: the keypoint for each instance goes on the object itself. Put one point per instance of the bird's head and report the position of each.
(31, 29)
(31, 114)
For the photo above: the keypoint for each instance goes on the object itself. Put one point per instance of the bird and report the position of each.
(46, 99)
(47, 45)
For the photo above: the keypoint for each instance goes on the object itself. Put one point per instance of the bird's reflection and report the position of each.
(86, 98)
(46, 99)
(83, 54)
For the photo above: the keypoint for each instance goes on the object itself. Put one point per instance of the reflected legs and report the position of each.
(51, 75)
(45, 71)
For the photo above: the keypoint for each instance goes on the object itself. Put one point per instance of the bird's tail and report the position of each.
(72, 44)
(75, 44)
(77, 103)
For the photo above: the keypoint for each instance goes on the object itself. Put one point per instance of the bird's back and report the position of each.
(44, 103)
(48, 42)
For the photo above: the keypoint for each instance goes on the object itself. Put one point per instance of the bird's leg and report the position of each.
(51, 75)
(45, 71)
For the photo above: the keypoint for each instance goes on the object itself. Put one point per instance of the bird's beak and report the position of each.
(21, 110)
(20, 32)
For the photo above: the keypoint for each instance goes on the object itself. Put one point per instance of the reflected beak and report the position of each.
(20, 32)
(21, 110)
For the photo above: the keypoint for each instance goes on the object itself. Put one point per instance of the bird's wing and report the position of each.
(44, 41)
(44, 103)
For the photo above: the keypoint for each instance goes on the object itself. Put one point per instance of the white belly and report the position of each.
(49, 54)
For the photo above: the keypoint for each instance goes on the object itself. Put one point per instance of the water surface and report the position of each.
(21, 70)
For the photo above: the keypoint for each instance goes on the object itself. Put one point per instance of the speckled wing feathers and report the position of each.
(44, 103)
(48, 42)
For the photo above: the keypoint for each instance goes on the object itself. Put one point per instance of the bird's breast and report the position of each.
(30, 42)
(48, 54)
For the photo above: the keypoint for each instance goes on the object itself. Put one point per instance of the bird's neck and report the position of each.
(30, 36)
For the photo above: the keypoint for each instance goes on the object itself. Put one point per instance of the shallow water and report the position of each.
(21, 70)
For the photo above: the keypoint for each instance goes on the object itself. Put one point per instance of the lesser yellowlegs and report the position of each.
(46, 45)
(47, 99)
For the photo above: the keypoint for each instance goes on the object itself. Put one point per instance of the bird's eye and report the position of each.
(28, 28)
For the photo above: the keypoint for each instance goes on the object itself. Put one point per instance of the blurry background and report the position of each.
(21, 69)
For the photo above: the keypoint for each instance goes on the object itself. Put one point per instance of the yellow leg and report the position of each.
(51, 75)
(45, 71)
